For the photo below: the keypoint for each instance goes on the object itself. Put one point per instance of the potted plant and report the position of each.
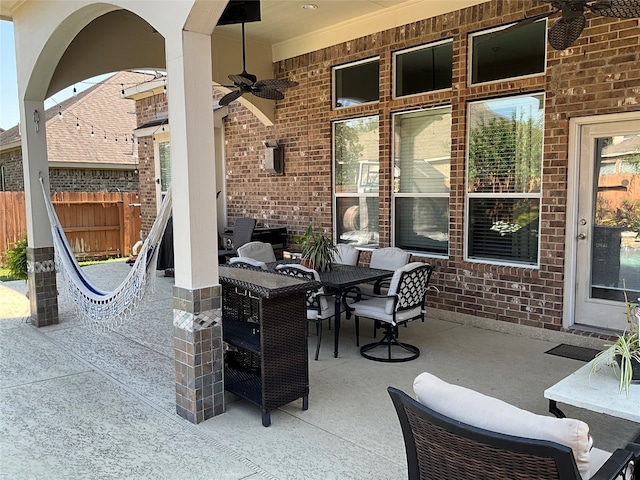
(318, 250)
(626, 350)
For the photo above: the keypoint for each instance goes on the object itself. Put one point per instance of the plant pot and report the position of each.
(635, 369)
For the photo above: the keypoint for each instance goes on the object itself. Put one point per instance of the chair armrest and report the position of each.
(614, 466)
(377, 286)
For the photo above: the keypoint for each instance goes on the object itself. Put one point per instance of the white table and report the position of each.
(596, 391)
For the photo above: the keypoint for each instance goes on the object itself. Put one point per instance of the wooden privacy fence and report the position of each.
(96, 224)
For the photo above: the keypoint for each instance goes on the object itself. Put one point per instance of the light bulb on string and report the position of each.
(116, 138)
(122, 91)
(105, 136)
(60, 114)
(75, 92)
(164, 87)
(92, 134)
(77, 124)
(145, 142)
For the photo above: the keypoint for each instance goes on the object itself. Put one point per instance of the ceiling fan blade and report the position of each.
(616, 8)
(275, 83)
(268, 93)
(230, 97)
(566, 31)
(241, 79)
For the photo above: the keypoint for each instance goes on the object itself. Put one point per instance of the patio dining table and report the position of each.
(341, 278)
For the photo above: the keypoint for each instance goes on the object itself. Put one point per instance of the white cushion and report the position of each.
(376, 308)
(346, 254)
(474, 408)
(258, 251)
(389, 258)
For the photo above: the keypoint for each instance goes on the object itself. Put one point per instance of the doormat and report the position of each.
(583, 354)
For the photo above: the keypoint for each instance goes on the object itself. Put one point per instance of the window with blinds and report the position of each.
(421, 184)
(504, 170)
(355, 180)
(423, 69)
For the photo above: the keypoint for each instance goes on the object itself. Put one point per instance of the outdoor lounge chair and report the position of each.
(451, 432)
(403, 302)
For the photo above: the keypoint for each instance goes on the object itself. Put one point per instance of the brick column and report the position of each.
(199, 361)
(41, 280)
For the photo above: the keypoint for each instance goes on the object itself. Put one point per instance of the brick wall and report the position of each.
(599, 74)
(147, 109)
(68, 179)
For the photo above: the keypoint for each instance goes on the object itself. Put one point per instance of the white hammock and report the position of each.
(95, 306)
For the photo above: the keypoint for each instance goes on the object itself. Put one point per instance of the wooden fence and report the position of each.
(97, 224)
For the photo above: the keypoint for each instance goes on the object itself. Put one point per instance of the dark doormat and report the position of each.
(576, 353)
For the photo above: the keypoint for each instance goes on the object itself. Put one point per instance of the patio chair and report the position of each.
(318, 307)
(246, 262)
(346, 254)
(242, 233)
(258, 251)
(403, 303)
(451, 432)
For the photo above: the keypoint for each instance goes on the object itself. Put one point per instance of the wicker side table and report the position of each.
(264, 320)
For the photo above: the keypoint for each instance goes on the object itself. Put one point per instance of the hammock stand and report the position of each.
(96, 307)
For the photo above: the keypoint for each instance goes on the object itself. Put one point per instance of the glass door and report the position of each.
(608, 230)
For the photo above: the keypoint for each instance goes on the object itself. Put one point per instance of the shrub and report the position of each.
(15, 259)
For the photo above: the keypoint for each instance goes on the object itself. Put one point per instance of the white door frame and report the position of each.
(573, 189)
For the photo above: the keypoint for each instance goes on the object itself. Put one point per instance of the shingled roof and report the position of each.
(99, 108)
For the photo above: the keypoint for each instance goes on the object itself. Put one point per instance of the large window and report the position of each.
(355, 177)
(356, 83)
(423, 69)
(517, 52)
(504, 179)
(422, 158)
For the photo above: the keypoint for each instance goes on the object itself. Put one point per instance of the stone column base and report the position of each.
(41, 280)
(199, 361)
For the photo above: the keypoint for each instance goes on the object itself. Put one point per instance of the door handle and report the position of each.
(582, 236)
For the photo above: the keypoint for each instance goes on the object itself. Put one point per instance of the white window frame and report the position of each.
(348, 65)
(494, 30)
(337, 195)
(395, 195)
(468, 196)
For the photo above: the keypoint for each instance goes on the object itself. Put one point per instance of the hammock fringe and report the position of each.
(96, 307)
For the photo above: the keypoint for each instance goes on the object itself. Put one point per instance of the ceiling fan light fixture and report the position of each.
(309, 6)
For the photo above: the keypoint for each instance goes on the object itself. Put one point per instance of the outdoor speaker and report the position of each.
(273, 158)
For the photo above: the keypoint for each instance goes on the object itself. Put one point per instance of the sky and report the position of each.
(9, 110)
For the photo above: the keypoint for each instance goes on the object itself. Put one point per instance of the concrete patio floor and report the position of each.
(79, 404)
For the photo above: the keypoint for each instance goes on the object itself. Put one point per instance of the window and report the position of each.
(355, 178)
(162, 152)
(514, 53)
(422, 159)
(356, 83)
(423, 68)
(504, 179)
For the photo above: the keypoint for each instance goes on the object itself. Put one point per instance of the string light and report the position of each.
(75, 92)
(77, 124)
(60, 114)
(92, 134)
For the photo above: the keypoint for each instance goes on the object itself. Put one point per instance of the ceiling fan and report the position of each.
(247, 83)
(568, 28)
